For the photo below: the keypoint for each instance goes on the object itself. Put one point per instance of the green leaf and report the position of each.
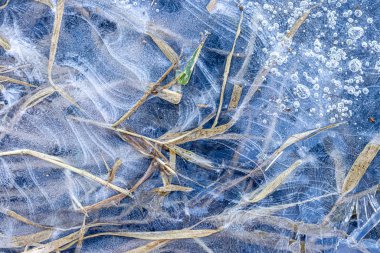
(185, 75)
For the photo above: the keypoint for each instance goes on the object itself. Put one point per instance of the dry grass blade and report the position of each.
(165, 166)
(293, 30)
(38, 97)
(5, 4)
(4, 43)
(15, 81)
(235, 97)
(145, 96)
(361, 165)
(174, 136)
(21, 218)
(172, 188)
(112, 172)
(269, 188)
(172, 163)
(53, 49)
(105, 203)
(110, 127)
(152, 167)
(170, 96)
(165, 48)
(6, 69)
(59, 163)
(154, 236)
(46, 2)
(26, 240)
(149, 247)
(235, 136)
(192, 157)
(267, 163)
(56, 244)
(227, 71)
(162, 235)
(82, 231)
(114, 200)
(200, 134)
(55, 37)
(211, 5)
(265, 70)
(299, 137)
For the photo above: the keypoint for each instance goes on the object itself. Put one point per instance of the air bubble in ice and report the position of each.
(302, 91)
(355, 65)
(355, 33)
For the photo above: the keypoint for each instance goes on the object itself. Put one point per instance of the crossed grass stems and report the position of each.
(152, 148)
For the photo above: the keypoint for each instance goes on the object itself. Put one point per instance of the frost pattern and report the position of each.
(258, 182)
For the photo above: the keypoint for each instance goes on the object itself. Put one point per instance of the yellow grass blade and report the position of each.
(112, 172)
(15, 81)
(299, 137)
(211, 5)
(4, 43)
(21, 218)
(119, 130)
(149, 247)
(152, 88)
(5, 4)
(170, 96)
(154, 236)
(59, 163)
(56, 244)
(38, 97)
(192, 157)
(82, 231)
(361, 165)
(227, 71)
(162, 235)
(270, 187)
(235, 97)
(172, 188)
(46, 2)
(26, 240)
(296, 26)
(59, 9)
(165, 48)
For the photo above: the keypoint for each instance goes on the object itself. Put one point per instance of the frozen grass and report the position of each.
(193, 126)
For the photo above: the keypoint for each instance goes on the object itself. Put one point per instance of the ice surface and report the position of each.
(298, 73)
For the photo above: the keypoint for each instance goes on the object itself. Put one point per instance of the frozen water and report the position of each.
(264, 190)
